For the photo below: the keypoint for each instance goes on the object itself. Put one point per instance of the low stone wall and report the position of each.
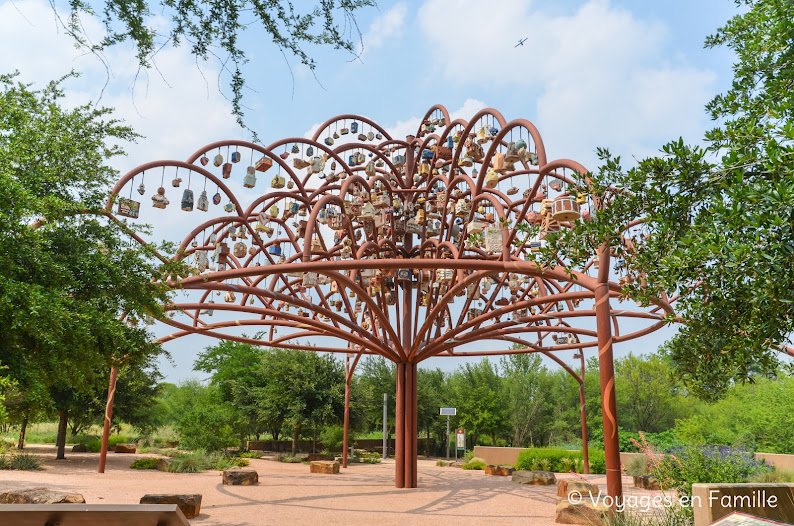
(714, 501)
(498, 455)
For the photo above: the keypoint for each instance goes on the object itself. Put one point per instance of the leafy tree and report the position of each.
(374, 376)
(64, 286)
(477, 388)
(298, 389)
(215, 28)
(649, 398)
(717, 222)
(430, 396)
(525, 395)
(233, 366)
(758, 416)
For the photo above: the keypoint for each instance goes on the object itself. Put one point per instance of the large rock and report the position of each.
(324, 466)
(240, 477)
(189, 504)
(539, 478)
(501, 471)
(646, 482)
(583, 512)
(79, 448)
(582, 487)
(40, 496)
(126, 448)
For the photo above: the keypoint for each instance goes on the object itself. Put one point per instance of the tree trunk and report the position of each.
(22, 430)
(61, 442)
(295, 434)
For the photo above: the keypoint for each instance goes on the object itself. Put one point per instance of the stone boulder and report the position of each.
(583, 512)
(79, 448)
(240, 477)
(582, 487)
(324, 466)
(126, 448)
(40, 496)
(446, 463)
(646, 482)
(539, 478)
(500, 471)
(189, 504)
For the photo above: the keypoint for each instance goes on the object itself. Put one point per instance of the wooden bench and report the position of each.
(92, 515)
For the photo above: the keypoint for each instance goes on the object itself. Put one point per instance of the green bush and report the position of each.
(475, 463)
(559, 460)
(24, 462)
(145, 463)
(249, 454)
(5, 463)
(637, 466)
(332, 438)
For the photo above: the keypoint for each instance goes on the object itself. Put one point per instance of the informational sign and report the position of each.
(448, 411)
(460, 439)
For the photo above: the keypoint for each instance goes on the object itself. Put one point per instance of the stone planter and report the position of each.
(538, 478)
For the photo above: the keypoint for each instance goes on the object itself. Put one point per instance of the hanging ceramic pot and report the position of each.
(203, 202)
(354, 127)
(216, 199)
(204, 160)
(141, 189)
(159, 200)
(218, 160)
(235, 157)
(175, 182)
(249, 181)
(295, 149)
(229, 207)
(187, 200)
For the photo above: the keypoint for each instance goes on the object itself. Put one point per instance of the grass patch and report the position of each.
(290, 459)
(21, 462)
(199, 461)
(145, 463)
(475, 463)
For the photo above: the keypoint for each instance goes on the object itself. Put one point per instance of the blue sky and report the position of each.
(627, 75)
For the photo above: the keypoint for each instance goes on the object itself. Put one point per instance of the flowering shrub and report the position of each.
(685, 466)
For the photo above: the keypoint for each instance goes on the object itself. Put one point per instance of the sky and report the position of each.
(626, 75)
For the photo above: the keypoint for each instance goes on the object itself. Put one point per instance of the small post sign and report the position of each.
(460, 441)
(448, 412)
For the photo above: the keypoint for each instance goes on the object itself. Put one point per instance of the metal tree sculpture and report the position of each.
(405, 248)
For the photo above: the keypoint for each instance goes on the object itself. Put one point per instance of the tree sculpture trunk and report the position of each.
(61, 442)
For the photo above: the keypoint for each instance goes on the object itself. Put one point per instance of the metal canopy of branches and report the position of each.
(408, 248)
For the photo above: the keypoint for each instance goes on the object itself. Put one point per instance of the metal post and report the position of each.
(447, 437)
(103, 453)
(606, 368)
(399, 428)
(385, 426)
(347, 411)
(582, 409)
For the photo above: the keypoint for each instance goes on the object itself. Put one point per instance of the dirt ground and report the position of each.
(287, 494)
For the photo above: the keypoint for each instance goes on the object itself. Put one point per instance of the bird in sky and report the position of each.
(521, 42)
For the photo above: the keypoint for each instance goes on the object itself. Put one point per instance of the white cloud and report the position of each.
(177, 107)
(387, 26)
(598, 75)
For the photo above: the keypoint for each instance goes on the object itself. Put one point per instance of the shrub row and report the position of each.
(560, 460)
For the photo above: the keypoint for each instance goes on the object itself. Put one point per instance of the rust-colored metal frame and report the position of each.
(416, 319)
